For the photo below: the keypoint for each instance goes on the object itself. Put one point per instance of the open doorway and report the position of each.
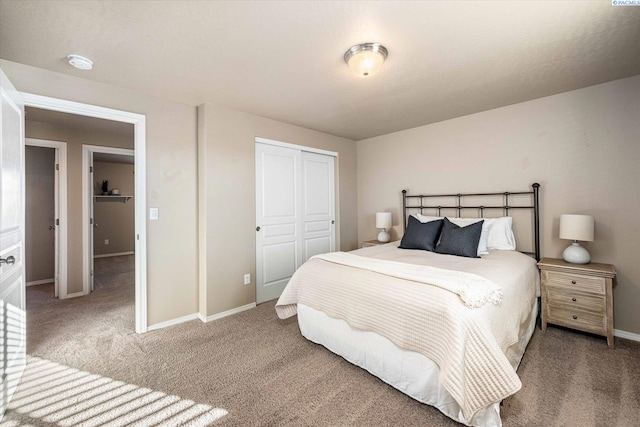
(99, 117)
(109, 234)
(40, 216)
(46, 214)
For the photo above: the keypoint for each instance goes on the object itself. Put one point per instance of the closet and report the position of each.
(295, 212)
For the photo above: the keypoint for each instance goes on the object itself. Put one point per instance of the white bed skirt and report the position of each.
(412, 373)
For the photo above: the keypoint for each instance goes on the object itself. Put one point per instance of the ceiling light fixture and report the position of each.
(80, 62)
(366, 59)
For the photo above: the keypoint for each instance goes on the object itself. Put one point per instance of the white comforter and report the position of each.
(474, 291)
(468, 344)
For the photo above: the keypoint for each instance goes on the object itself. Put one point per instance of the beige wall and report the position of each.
(39, 213)
(115, 217)
(226, 143)
(583, 147)
(74, 139)
(171, 181)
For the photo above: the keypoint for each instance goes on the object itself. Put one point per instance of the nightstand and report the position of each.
(578, 296)
(368, 243)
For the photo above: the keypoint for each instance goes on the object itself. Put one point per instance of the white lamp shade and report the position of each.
(577, 227)
(383, 220)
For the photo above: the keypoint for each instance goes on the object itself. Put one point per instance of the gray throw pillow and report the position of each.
(461, 241)
(421, 235)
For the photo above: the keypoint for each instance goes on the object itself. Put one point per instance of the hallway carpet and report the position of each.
(88, 368)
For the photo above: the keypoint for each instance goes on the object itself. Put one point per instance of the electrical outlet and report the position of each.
(247, 279)
(106, 242)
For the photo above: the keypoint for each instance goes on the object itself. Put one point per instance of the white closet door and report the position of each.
(278, 218)
(318, 204)
(12, 272)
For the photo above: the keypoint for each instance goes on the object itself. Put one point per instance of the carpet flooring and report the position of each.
(88, 368)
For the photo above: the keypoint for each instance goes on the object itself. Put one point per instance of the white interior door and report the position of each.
(278, 218)
(318, 211)
(12, 271)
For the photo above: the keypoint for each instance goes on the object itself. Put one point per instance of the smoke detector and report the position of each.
(80, 62)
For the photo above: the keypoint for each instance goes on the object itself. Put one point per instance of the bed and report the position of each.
(449, 331)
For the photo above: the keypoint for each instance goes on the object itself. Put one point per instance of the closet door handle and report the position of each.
(258, 228)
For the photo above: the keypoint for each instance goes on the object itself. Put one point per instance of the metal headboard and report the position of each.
(535, 206)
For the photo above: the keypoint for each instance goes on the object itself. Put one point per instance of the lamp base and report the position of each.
(384, 237)
(576, 254)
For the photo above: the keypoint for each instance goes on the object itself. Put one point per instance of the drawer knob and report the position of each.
(573, 282)
(573, 299)
(575, 317)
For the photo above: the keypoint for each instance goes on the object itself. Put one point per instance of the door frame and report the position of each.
(297, 147)
(139, 126)
(87, 209)
(60, 198)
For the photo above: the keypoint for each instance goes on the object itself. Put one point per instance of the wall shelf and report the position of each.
(118, 198)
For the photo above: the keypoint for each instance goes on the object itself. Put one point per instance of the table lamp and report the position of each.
(576, 227)
(383, 220)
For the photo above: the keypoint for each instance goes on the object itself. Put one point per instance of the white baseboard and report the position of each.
(114, 254)
(227, 313)
(627, 335)
(40, 282)
(74, 295)
(172, 322)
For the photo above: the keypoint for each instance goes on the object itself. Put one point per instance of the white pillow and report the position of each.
(501, 233)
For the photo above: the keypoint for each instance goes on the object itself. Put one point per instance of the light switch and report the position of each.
(153, 213)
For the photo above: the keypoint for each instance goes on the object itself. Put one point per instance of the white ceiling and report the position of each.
(283, 59)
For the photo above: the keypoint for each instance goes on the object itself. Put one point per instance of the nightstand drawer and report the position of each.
(577, 319)
(576, 300)
(572, 281)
